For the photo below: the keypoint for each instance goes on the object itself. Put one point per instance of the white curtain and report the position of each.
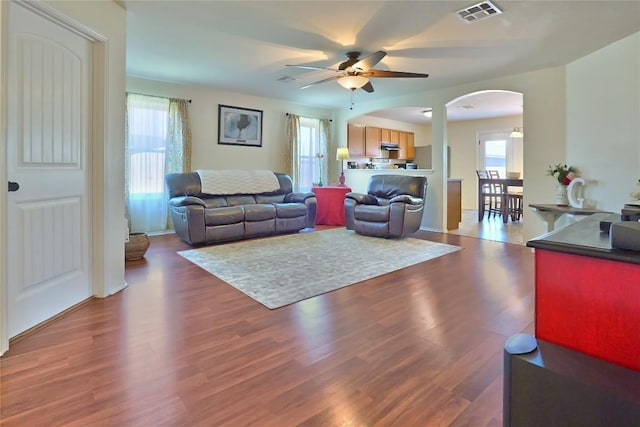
(156, 143)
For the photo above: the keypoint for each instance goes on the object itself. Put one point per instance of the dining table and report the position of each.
(504, 195)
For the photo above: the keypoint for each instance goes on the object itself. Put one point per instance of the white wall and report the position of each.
(203, 114)
(462, 137)
(545, 134)
(603, 122)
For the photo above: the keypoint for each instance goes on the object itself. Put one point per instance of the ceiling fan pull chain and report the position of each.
(352, 103)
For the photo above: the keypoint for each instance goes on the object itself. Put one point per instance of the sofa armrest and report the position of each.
(362, 199)
(297, 197)
(186, 201)
(405, 198)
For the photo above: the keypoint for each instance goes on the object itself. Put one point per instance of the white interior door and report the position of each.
(49, 124)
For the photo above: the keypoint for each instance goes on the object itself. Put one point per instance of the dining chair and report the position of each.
(487, 194)
(514, 198)
(497, 191)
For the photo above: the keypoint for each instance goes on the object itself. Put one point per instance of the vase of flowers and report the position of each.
(564, 175)
(320, 156)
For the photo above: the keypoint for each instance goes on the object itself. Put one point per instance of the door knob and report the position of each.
(13, 186)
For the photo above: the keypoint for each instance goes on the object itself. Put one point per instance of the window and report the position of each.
(148, 127)
(493, 152)
(147, 139)
(309, 148)
(495, 156)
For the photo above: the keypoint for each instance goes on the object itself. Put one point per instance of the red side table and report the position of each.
(330, 208)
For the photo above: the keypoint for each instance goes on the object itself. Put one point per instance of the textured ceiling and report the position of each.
(244, 46)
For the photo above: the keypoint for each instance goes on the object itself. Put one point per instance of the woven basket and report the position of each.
(136, 247)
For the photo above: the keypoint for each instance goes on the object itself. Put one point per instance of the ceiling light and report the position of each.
(427, 113)
(517, 133)
(353, 82)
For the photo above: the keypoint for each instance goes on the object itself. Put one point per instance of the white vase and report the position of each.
(561, 195)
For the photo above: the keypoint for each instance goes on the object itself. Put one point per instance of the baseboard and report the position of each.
(47, 322)
(119, 288)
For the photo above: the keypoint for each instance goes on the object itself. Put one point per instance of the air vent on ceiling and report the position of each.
(478, 11)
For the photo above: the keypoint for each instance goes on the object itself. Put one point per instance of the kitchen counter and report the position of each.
(585, 238)
(587, 294)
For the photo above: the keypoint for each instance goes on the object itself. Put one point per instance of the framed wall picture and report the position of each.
(239, 126)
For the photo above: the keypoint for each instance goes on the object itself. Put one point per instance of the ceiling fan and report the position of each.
(354, 73)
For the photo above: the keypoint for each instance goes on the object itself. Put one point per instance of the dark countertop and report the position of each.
(585, 238)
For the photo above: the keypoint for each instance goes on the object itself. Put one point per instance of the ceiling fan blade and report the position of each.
(309, 67)
(319, 81)
(368, 87)
(384, 73)
(369, 61)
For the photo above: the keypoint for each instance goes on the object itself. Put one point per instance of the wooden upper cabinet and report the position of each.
(411, 152)
(402, 142)
(406, 143)
(364, 141)
(394, 136)
(372, 141)
(356, 140)
(385, 135)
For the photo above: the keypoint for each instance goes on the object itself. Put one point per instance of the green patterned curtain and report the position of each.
(178, 152)
(179, 140)
(292, 151)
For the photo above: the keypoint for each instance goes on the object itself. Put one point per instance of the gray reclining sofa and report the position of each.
(201, 219)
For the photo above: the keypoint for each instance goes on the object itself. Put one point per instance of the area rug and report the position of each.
(277, 271)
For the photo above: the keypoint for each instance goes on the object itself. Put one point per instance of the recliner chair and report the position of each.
(392, 207)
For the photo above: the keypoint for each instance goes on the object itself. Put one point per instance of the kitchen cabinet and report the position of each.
(384, 135)
(454, 203)
(394, 136)
(406, 143)
(356, 140)
(402, 142)
(364, 141)
(372, 141)
(411, 152)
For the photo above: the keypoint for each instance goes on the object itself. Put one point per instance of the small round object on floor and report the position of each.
(136, 247)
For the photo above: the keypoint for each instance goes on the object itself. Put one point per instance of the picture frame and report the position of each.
(239, 126)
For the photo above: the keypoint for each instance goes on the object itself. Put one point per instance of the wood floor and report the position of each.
(490, 228)
(418, 347)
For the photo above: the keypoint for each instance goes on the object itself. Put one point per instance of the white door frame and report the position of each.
(97, 140)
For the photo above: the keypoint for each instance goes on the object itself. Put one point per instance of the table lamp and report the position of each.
(342, 154)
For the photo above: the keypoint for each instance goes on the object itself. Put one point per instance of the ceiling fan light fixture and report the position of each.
(352, 82)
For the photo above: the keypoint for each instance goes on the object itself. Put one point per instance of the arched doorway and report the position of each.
(480, 136)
